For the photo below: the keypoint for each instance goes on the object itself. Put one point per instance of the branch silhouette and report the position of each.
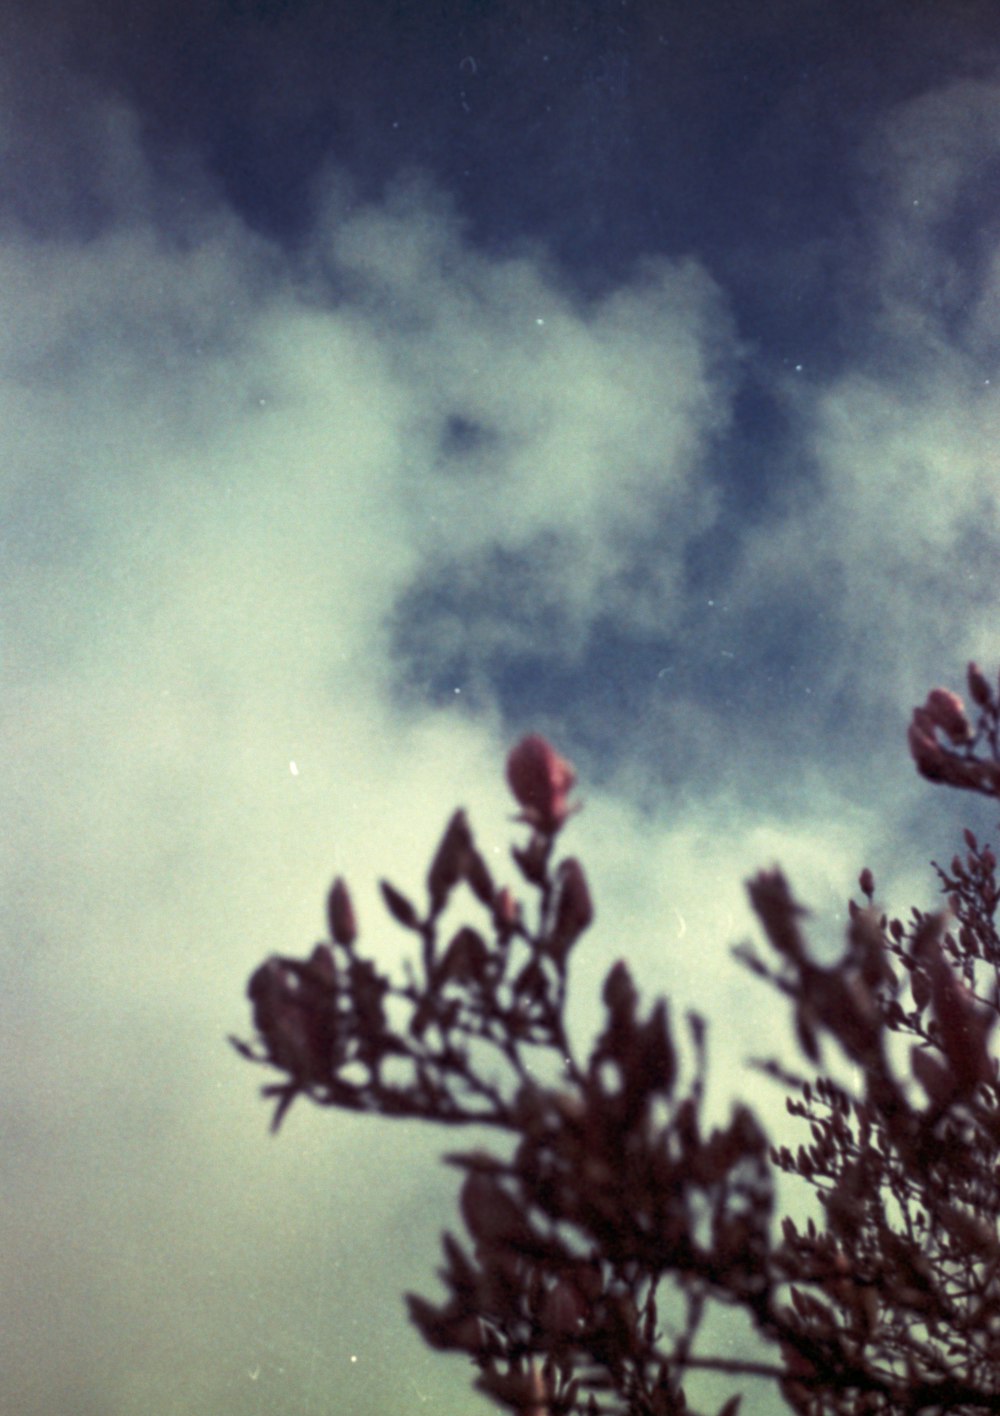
(596, 1245)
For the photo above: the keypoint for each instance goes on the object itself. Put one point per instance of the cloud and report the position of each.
(929, 163)
(554, 445)
(226, 472)
(257, 503)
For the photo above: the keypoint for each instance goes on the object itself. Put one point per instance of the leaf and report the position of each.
(399, 906)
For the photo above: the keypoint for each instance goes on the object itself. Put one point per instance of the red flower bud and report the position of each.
(541, 781)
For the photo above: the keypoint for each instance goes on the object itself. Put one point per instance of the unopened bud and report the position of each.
(457, 859)
(948, 713)
(541, 781)
(340, 913)
(491, 1215)
(979, 689)
(926, 752)
(574, 909)
(506, 910)
(466, 958)
(525, 1392)
(563, 1309)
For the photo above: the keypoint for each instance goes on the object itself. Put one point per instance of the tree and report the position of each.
(598, 1240)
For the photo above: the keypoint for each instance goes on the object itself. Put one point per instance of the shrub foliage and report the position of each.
(598, 1237)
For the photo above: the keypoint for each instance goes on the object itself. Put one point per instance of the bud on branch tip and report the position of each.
(541, 781)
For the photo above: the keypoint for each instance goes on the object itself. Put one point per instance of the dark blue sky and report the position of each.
(608, 131)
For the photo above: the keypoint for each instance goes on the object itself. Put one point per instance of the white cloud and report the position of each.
(221, 475)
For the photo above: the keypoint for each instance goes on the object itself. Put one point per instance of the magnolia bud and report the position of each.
(563, 1309)
(926, 752)
(489, 1212)
(465, 960)
(574, 910)
(963, 1028)
(541, 781)
(340, 913)
(450, 862)
(948, 713)
(979, 689)
(866, 880)
(506, 910)
(526, 1392)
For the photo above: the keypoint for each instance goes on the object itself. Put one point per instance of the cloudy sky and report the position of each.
(381, 382)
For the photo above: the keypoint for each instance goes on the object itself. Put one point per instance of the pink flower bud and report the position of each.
(340, 913)
(979, 689)
(541, 781)
(866, 881)
(926, 752)
(947, 711)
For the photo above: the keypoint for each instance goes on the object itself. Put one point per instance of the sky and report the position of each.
(380, 383)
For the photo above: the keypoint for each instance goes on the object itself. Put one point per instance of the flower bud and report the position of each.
(525, 1392)
(936, 1080)
(506, 910)
(541, 781)
(457, 859)
(340, 913)
(963, 1029)
(465, 960)
(947, 712)
(491, 1215)
(926, 752)
(979, 689)
(563, 1309)
(778, 911)
(574, 910)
